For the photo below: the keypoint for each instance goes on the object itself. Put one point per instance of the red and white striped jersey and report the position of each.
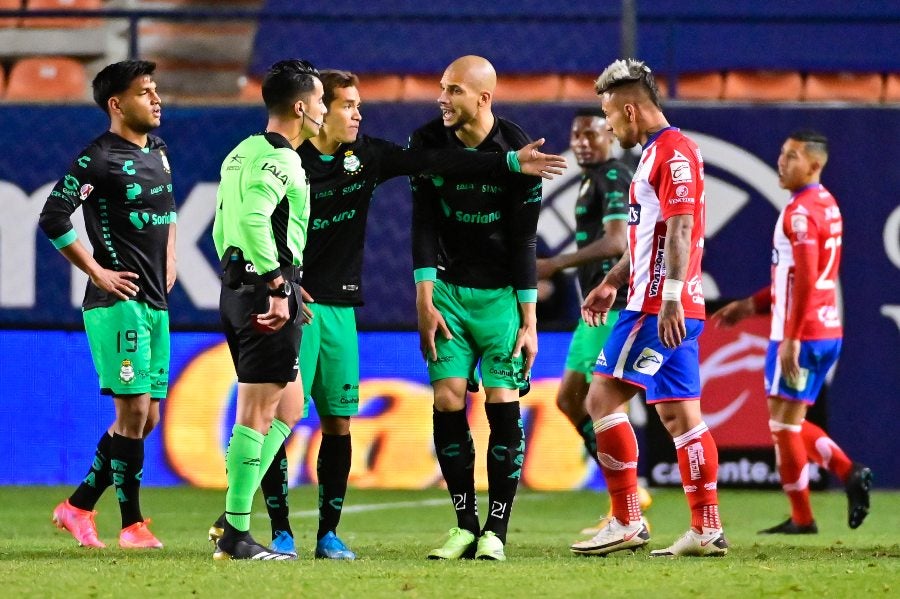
(668, 182)
(805, 263)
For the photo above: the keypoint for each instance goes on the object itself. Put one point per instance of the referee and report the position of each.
(262, 209)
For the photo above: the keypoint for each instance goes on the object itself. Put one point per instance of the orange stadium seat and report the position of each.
(421, 88)
(892, 88)
(578, 88)
(250, 90)
(852, 87)
(62, 22)
(698, 86)
(763, 86)
(9, 5)
(380, 88)
(528, 88)
(47, 78)
(2, 80)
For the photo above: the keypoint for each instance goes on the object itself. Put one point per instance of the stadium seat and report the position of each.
(421, 88)
(380, 88)
(250, 90)
(847, 87)
(763, 86)
(698, 86)
(9, 5)
(578, 88)
(47, 78)
(62, 22)
(892, 88)
(528, 88)
(2, 81)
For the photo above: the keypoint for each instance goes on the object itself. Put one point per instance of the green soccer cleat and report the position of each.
(490, 547)
(460, 544)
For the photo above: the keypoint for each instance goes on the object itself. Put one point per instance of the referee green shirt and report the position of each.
(262, 204)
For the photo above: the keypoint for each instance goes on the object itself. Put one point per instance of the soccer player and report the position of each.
(653, 344)
(476, 287)
(124, 181)
(260, 232)
(344, 168)
(805, 338)
(601, 213)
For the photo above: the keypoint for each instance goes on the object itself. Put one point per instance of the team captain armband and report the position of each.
(425, 274)
(65, 240)
(671, 291)
(526, 296)
(512, 161)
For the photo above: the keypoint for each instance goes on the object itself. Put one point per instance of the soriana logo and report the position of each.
(732, 363)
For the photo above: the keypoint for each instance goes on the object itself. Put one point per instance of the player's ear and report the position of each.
(299, 108)
(484, 98)
(113, 104)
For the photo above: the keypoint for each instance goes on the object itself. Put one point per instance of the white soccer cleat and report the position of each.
(710, 543)
(615, 536)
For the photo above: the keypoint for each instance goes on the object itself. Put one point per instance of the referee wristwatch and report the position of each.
(283, 290)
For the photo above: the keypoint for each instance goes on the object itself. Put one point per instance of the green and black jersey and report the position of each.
(262, 204)
(477, 231)
(602, 197)
(128, 204)
(342, 185)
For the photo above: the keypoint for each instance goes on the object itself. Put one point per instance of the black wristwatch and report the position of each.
(282, 290)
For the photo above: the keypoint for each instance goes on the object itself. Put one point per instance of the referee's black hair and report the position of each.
(117, 77)
(286, 81)
(814, 140)
(590, 111)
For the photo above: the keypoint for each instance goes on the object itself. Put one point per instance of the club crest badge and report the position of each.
(126, 372)
(352, 164)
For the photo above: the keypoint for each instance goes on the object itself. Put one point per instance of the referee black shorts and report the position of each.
(260, 357)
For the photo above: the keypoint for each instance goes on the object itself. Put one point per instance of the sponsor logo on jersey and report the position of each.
(85, 191)
(128, 167)
(828, 316)
(681, 172)
(70, 183)
(477, 218)
(634, 214)
(800, 225)
(271, 168)
(659, 267)
(352, 164)
(648, 362)
(681, 191)
(133, 190)
(695, 290)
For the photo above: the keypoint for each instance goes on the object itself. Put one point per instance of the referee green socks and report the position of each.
(242, 470)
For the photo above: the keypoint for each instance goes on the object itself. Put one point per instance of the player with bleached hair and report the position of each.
(654, 342)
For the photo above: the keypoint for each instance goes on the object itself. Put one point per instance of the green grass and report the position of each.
(37, 560)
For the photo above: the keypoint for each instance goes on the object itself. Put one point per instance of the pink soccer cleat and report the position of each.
(138, 536)
(80, 523)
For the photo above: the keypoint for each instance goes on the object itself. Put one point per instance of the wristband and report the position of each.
(672, 290)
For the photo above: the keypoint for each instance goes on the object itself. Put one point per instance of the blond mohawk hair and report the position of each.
(627, 71)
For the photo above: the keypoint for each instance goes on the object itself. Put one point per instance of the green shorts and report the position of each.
(329, 361)
(130, 347)
(484, 324)
(586, 345)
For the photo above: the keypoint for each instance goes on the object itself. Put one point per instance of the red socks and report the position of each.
(617, 452)
(698, 462)
(825, 452)
(793, 467)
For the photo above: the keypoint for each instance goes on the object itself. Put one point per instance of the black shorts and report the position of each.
(260, 357)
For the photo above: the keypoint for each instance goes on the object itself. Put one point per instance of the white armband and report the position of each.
(672, 290)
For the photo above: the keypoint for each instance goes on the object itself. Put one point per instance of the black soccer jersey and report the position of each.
(602, 197)
(128, 204)
(478, 231)
(342, 185)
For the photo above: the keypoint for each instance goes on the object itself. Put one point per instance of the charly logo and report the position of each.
(128, 167)
(648, 362)
(746, 176)
(126, 372)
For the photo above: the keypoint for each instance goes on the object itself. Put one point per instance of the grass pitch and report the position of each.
(392, 531)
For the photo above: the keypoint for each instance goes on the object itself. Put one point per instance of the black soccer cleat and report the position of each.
(858, 485)
(242, 546)
(788, 527)
(217, 529)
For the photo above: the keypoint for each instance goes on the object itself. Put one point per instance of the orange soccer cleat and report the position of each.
(138, 536)
(80, 523)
